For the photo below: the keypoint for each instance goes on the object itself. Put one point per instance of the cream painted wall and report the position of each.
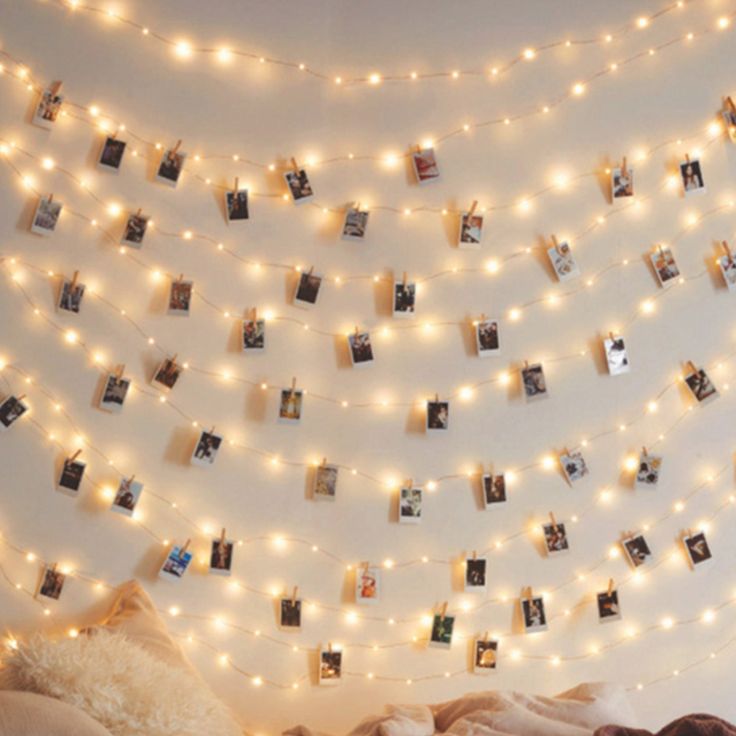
(266, 113)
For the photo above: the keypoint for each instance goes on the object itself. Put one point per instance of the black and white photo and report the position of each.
(573, 465)
(127, 496)
(114, 393)
(700, 385)
(487, 338)
(438, 415)
(617, 357)
(637, 550)
(12, 409)
(697, 548)
(307, 289)
(494, 489)
(534, 382)
(46, 216)
(206, 449)
(410, 505)
(135, 230)
(299, 185)
(236, 205)
(71, 476)
(325, 482)
(70, 296)
(475, 574)
(404, 299)
(356, 223)
(533, 615)
(563, 262)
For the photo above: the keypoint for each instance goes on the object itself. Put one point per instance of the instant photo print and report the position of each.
(206, 449)
(637, 550)
(487, 338)
(221, 556)
(441, 635)
(485, 656)
(135, 230)
(48, 108)
(555, 539)
(573, 466)
(727, 266)
(180, 297)
(405, 297)
(360, 348)
(697, 549)
(368, 585)
(167, 374)
(330, 666)
(438, 415)
(290, 614)
(665, 266)
(494, 490)
(475, 574)
(71, 476)
(254, 335)
(410, 505)
(325, 482)
(533, 615)
(563, 262)
(307, 289)
(471, 229)
(46, 216)
(425, 165)
(127, 496)
(622, 182)
(356, 223)
(648, 470)
(608, 606)
(114, 393)
(12, 409)
(534, 382)
(728, 114)
(617, 357)
(692, 177)
(52, 583)
(700, 385)
(176, 563)
(236, 205)
(70, 295)
(111, 155)
(300, 188)
(290, 406)
(171, 166)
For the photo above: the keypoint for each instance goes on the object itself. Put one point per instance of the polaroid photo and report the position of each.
(573, 465)
(180, 297)
(356, 224)
(405, 299)
(48, 109)
(176, 563)
(170, 167)
(325, 482)
(563, 262)
(438, 416)
(729, 119)
(254, 335)
(291, 405)
(71, 476)
(111, 156)
(697, 548)
(494, 490)
(330, 666)
(361, 348)
(127, 496)
(410, 506)
(692, 177)
(221, 556)
(485, 656)
(727, 266)
(700, 385)
(52, 583)
(471, 231)
(534, 382)
(441, 635)
(70, 296)
(236, 206)
(114, 393)
(299, 185)
(475, 574)
(206, 449)
(425, 165)
(622, 183)
(11, 410)
(368, 585)
(636, 549)
(617, 356)
(664, 265)
(533, 615)
(608, 607)
(555, 539)
(135, 230)
(46, 216)
(290, 614)
(486, 338)
(647, 473)
(307, 289)
(167, 374)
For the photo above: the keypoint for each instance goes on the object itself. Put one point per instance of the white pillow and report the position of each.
(119, 684)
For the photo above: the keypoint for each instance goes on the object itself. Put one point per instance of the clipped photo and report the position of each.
(555, 539)
(307, 289)
(111, 156)
(290, 614)
(697, 548)
(70, 296)
(622, 183)
(356, 223)
(71, 476)
(299, 185)
(563, 262)
(475, 574)
(325, 482)
(171, 166)
(617, 356)
(573, 465)
(486, 338)
(206, 449)
(727, 265)
(637, 550)
(692, 177)
(485, 656)
(648, 470)
(608, 607)
(167, 374)
(48, 108)
(46, 216)
(700, 385)
(533, 615)
(410, 505)
(236, 205)
(176, 563)
(114, 393)
(254, 334)
(52, 583)
(221, 556)
(127, 496)
(438, 415)
(330, 667)
(135, 230)
(534, 382)
(425, 165)
(361, 348)
(11, 410)
(471, 231)
(494, 489)
(290, 405)
(180, 297)
(405, 297)
(664, 265)
(441, 635)
(367, 584)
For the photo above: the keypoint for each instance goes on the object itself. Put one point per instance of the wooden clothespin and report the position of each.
(660, 249)
(404, 281)
(119, 372)
(357, 330)
(55, 88)
(366, 565)
(329, 647)
(184, 549)
(21, 397)
(687, 158)
(311, 271)
(293, 386)
(727, 249)
(138, 214)
(553, 520)
(624, 170)
(173, 360)
(528, 593)
(486, 636)
(324, 461)
(74, 279)
(555, 243)
(254, 314)
(526, 365)
(50, 198)
(73, 457)
(443, 611)
(471, 211)
(212, 431)
(475, 555)
(436, 398)
(237, 186)
(223, 536)
(610, 587)
(173, 151)
(294, 165)
(691, 366)
(52, 566)
(180, 279)
(644, 452)
(482, 317)
(294, 594)
(729, 104)
(131, 479)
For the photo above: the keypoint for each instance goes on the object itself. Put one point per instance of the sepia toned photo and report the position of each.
(438, 416)
(167, 374)
(494, 489)
(486, 338)
(52, 583)
(290, 614)
(325, 482)
(485, 656)
(180, 297)
(290, 406)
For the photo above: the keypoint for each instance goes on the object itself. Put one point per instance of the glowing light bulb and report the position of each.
(183, 49)
(225, 55)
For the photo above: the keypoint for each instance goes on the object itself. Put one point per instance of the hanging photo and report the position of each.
(127, 496)
(533, 615)
(727, 264)
(206, 449)
(299, 185)
(622, 183)
(48, 109)
(236, 205)
(361, 348)
(471, 231)
(180, 297)
(367, 585)
(475, 574)
(71, 476)
(534, 382)
(647, 474)
(325, 482)
(665, 266)
(52, 583)
(573, 465)
(698, 551)
(425, 165)
(692, 177)
(494, 489)
(46, 216)
(167, 374)
(486, 338)
(617, 357)
(290, 614)
(111, 156)
(176, 563)
(438, 416)
(307, 289)
(563, 262)
(330, 666)
(11, 410)
(608, 607)
(221, 556)
(254, 334)
(170, 167)
(356, 223)
(70, 296)
(114, 393)
(729, 118)
(135, 230)
(290, 407)
(700, 385)
(485, 656)
(637, 550)
(410, 505)
(405, 297)
(441, 635)
(555, 539)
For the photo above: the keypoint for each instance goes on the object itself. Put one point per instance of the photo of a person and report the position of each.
(176, 563)
(700, 385)
(622, 183)
(637, 550)
(664, 265)
(114, 393)
(563, 262)
(236, 205)
(206, 449)
(127, 496)
(555, 539)
(485, 658)
(533, 381)
(171, 166)
(727, 265)
(11, 410)
(608, 607)
(52, 583)
(438, 415)
(487, 338)
(729, 118)
(290, 614)
(405, 296)
(647, 473)
(325, 482)
(367, 585)
(70, 296)
(425, 165)
(441, 635)
(475, 574)
(617, 357)
(533, 614)
(71, 475)
(180, 297)
(330, 667)
(254, 334)
(697, 548)
(361, 348)
(494, 489)
(692, 177)
(221, 556)
(167, 374)
(471, 231)
(307, 289)
(111, 156)
(356, 223)
(135, 230)
(49, 107)
(410, 505)
(299, 185)
(290, 406)
(573, 465)
(46, 216)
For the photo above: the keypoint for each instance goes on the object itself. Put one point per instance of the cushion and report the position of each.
(28, 714)
(399, 720)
